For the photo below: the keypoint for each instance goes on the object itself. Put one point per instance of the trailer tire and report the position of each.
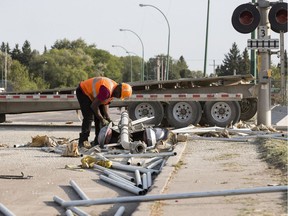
(2, 118)
(248, 109)
(184, 113)
(222, 113)
(139, 110)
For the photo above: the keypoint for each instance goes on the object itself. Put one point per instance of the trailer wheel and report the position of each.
(2, 118)
(248, 108)
(222, 113)
(139, 110)
(182, 114)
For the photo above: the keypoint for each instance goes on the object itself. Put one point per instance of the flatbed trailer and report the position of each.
(178, 103)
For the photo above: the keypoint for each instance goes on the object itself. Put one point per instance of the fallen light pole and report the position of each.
(148, 198)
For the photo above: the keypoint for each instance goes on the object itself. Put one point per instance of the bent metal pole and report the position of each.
(148, 198)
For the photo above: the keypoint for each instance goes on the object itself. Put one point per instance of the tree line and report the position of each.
(66, 63)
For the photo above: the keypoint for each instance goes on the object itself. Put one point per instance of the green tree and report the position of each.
(231, 63)
(19, 77)
(182, 67)
(26, 54)
(65, 68)
(16, 53)
(245, 63)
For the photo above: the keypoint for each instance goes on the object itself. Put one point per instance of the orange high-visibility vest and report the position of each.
(91, 87)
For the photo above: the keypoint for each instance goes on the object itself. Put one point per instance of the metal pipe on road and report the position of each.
(138, 179)
(120, 211)
(130, 168)
(129, 178)
(135, 190)
(76, 210)
(148, 198)
(78, 190)
(162, 154)
(154, 164)
(5, 210)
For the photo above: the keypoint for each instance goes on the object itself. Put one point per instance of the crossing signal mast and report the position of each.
(263, 15)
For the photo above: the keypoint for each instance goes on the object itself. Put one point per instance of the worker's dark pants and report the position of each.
(88, 117)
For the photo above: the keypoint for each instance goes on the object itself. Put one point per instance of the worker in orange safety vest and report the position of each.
(94, 96)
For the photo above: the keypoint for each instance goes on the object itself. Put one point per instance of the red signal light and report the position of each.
(278, 17)
(245, 18)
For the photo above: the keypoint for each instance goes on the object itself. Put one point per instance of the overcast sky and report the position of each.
(42, 22)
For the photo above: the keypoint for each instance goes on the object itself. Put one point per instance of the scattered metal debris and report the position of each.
(22, 176)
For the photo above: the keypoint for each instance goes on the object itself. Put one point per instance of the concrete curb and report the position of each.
(161, 181)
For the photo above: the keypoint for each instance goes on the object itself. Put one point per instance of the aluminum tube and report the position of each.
(154, 164)
(76, 210)
(141, 163)
(129, 178)
(124, 134)
(5, 211)
(120, 211)
(144, 182)
(124, 186)
(132, 168)
(149, 179)
(129, 161)
(118, 178)
(163, 163)
(162, 154)
(78, 190)
(148, 198)
(68, 212)
(138, 179)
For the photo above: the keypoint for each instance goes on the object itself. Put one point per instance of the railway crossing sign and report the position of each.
(263, 43)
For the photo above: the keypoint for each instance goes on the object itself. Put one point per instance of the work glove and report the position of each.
(110, 121)
(105, 122)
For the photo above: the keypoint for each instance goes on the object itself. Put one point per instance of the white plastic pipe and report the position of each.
(5, 210)
(149, 198)
(120, 211)
(78, 190)
(76, 210)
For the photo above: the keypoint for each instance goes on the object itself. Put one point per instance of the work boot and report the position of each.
(82, 137)
(95, 142)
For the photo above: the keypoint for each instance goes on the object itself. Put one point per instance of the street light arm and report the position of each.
(142, 49)
(168, 49)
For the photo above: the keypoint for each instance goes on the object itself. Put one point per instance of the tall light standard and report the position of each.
(167, 61)
(129, 56)
(142, 77)
(206, 41)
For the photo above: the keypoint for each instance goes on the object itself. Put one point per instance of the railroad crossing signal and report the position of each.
(246, 17)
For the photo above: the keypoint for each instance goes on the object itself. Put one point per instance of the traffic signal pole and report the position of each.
(264, 72)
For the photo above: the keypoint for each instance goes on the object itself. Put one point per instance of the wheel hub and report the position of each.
(182, 111)
(221, 111)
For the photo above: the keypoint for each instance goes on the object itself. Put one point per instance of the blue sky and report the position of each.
(42, 22)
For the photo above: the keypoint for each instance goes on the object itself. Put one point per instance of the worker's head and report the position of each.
(126, 90)
(123, 90)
